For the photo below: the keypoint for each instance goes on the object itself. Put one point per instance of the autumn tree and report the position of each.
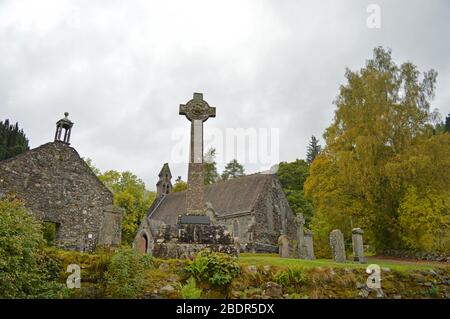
(129, 193)
(292, 176)
(377, 163)
(179, 185)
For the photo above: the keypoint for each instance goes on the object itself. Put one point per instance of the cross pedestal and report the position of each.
(196, 111)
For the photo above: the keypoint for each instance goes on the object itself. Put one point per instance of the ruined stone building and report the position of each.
(254, 209)
(58, 187)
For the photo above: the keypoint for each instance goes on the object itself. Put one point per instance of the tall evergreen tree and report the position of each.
(12, 140)
(233, 169)
(210, 167)
(447, 123)
(313, 150)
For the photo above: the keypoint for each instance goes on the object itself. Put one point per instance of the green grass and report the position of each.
(274, 260)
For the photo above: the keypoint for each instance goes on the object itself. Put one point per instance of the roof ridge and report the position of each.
(69, 148)
(33, 150)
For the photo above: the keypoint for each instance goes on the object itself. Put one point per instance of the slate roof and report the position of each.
(227, 197)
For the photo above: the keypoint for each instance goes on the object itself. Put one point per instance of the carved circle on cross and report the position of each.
(197, 109)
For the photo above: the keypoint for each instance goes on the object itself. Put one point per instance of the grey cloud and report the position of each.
(121, 69)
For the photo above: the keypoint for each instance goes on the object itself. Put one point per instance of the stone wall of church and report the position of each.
(273, 217)
(238, 226)
(59, 187)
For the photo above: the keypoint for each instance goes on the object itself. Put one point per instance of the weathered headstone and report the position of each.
(309, 246)
(300, 223)
(337, 246)
(283, 246)
(237, 245)
(196, 111)
(251, 235)
(358, 248)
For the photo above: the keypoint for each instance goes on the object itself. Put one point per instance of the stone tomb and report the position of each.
(185, 240)
(337, 246)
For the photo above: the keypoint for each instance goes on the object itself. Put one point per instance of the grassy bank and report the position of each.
(274, 260)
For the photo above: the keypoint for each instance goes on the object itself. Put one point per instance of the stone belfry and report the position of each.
(164, 185)
(66, 125)
(196, 111)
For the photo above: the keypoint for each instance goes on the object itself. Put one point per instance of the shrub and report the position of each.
(282, 278)
(148, 261)
(125, 275)
(26, 271)
(291, 277)
(190, 290)
(214, 268)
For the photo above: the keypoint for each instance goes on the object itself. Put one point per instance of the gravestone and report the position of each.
(358, 248)
(251, 235)
(237, 245)
(309, 246)
(301, 247)
(283, 246)
(337, 246)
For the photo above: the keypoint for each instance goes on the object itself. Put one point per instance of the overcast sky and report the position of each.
(121, 68)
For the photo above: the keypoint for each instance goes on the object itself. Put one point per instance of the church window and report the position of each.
(236, 228)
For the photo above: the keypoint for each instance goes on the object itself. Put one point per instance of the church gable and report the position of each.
(53, 168)
(59, 187)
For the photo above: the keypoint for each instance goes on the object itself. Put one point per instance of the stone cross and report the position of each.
(337, 246)
(196, 111)
(283, 246)
(358, 248)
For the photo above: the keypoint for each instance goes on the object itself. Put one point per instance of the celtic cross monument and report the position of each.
(196, 111)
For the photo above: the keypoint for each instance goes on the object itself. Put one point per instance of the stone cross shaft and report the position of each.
(196, 111)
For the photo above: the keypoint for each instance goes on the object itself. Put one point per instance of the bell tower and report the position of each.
(164, 185)
(66, 125)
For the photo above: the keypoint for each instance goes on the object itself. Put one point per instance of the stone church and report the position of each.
(253, 208)
(58, 187)
(247, 213)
